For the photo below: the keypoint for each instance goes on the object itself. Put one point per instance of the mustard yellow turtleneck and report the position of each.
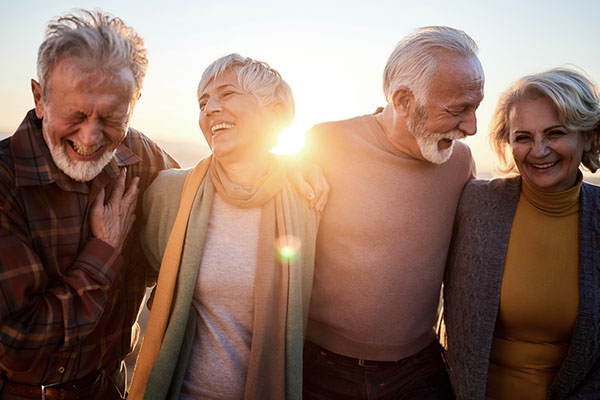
(539, 295)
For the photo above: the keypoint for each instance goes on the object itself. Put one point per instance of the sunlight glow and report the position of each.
(290, 141)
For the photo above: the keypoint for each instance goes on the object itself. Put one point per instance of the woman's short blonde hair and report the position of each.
(577, 102)
(257, 78)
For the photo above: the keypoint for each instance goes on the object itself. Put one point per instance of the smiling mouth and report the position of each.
(545, 166)
(445, 143)
(84, 150)
(219, 127)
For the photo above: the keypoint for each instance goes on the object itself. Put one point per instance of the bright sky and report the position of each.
(331, 53)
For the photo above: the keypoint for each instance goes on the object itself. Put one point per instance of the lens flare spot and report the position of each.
(287, 247)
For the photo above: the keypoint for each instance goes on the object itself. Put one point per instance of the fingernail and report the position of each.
(310, 196)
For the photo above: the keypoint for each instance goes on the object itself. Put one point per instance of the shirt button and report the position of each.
(61, 370)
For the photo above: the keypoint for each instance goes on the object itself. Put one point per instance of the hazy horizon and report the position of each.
(332, 54)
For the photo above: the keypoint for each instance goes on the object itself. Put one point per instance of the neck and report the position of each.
(396, 131)
(245, 173)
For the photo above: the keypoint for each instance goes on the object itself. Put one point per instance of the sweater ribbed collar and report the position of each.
(557, 203)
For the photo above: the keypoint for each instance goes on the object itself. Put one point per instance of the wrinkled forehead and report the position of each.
(457, 79)
(526, 101)
(87, 75)
(214, 76)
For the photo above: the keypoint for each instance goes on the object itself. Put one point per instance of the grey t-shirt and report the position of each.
(224, 301)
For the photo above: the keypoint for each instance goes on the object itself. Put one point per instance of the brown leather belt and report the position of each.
(78, 389)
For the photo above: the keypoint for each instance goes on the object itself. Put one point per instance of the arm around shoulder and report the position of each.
(160, 204)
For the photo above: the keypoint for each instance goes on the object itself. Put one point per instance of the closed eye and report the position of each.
(77, 117)
(521, 138)
(226, 94)
(556, 133)
(456, 113)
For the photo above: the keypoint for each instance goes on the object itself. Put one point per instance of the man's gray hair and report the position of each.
(577, 103)
(95, 37)
(414, 59)
(257, 78)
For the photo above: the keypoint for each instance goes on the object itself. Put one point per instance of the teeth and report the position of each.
(220, 126)
(84, 150)
(544, 166)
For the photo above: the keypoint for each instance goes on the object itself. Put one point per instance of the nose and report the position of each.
(90, 133)
(540, 148)
(468, 125)
(212, 105)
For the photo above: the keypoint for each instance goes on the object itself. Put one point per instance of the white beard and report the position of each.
(82, 171)
(428, 144)
(428, 141)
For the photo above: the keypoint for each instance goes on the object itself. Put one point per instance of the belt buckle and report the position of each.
(44, 387)
(361, 362)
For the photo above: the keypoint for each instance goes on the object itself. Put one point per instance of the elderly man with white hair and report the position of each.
(395, 177)
(72, 272)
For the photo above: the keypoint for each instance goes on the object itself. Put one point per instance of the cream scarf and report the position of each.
(281, 301)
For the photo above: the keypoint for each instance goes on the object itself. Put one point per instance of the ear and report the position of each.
(275, 115)
(403, 100)
(275, 110)
(38, 98)
(275, 122)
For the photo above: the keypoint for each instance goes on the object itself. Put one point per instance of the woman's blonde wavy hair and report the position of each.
(577, 102)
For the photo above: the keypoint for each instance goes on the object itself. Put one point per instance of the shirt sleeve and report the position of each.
(154, 160)
(39, 314)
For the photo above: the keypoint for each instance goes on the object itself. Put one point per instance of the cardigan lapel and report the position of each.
(484, 219)
(166, 365)
(585, 346)
(503, 200)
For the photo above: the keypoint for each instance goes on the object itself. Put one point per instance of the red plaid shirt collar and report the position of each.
(34, 165)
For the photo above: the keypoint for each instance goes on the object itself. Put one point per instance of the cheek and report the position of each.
(575, 153)
(52, 132)
(49, 136)
(115, 137)
(204, 128)
(441, 125)
(202, 123)
(518, 152)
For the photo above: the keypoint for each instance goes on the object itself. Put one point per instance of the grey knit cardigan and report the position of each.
(472, 290)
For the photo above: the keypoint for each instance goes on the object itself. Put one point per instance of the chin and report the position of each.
(431, 152)
(82, 171)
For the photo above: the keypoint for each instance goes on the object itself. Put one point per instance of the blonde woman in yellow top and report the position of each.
(522, 291)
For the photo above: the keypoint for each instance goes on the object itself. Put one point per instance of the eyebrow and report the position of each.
(218, 88)
(553, 127)
(464, 104)
(545, 130)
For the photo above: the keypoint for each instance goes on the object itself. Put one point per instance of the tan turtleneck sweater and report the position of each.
(539, 296)
(382, 242)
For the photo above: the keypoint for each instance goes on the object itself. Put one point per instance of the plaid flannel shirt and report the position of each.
(68, 301)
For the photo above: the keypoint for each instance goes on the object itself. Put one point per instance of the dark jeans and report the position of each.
(421, 376)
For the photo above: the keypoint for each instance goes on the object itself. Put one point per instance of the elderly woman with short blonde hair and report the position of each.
(234, 243)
